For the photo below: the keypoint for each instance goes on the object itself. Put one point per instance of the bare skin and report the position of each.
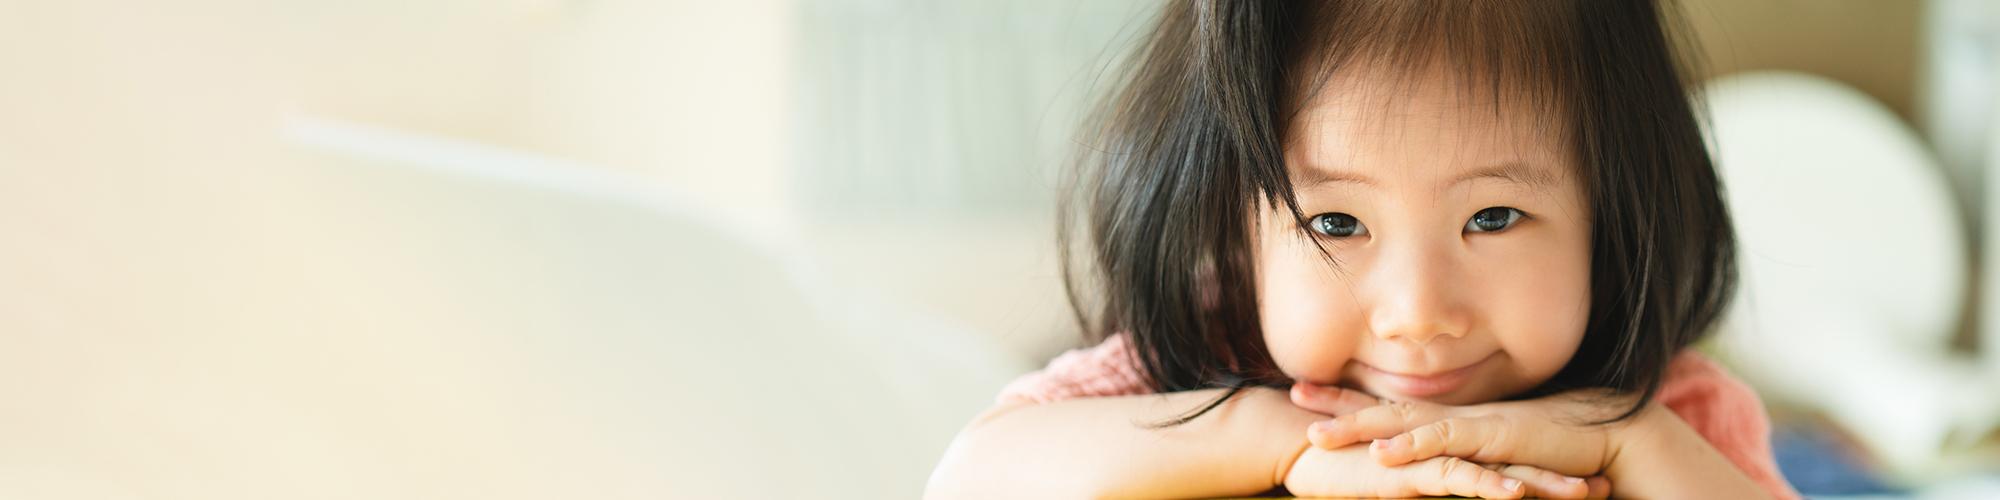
(1654, 454)
(1099, 448)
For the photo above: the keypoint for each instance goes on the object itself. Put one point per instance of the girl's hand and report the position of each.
(1553, 432)
(1351, 472)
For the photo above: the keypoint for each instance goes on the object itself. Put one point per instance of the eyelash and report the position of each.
(1323, 224)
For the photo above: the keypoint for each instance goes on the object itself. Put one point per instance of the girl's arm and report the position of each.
(1661, 456)
(1102, 447)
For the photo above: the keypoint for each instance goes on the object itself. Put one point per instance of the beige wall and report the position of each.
(1870, 44)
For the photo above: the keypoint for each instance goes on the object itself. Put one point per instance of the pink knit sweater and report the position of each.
(1721, 408)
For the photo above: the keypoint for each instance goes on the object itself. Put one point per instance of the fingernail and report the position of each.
(1572, 480)
(1511, 484)
(1390, 444)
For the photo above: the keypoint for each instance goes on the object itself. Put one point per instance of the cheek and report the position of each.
(1307, 312)
(1540, 307)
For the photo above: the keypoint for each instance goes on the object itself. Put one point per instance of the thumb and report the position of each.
(1330, 399)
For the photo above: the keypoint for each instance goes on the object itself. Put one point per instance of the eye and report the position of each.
(1493, 219)
(1337, 225)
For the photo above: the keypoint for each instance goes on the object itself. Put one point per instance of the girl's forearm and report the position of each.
(1102, 448)
(1661, 456)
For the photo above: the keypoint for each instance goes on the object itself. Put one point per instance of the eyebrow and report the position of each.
(1539, 179)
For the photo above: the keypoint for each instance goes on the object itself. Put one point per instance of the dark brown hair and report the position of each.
(1190, 142)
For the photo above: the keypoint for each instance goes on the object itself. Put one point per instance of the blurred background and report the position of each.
(694, 249)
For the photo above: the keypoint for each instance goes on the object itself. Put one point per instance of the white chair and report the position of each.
(1854, 267)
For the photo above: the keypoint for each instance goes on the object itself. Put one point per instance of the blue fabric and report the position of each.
(1812, 458)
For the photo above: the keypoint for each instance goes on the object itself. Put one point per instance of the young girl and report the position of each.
(1365, 248)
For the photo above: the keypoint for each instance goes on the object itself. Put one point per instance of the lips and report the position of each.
(1425, 385)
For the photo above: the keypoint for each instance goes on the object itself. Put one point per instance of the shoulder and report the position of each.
(1708, 397)
(1108, 369)
(1728, 413)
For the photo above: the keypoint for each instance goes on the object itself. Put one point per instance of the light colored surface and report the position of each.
(362, 314)
(1960, 91)
(1853, 268)
(927, 140)
(211, 293)
(684, 93)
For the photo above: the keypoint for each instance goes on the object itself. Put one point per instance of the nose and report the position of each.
(1415, 297)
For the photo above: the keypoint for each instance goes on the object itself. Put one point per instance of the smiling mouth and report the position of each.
(1426, 385)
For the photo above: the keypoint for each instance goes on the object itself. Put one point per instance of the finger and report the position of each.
(1495, 439)
(1600, 486)
(1544, 484)
(1381, 421)
(1478, 439)
(1330, 399)
(1457, 477)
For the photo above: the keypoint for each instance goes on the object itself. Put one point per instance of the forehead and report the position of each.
(1367, 128)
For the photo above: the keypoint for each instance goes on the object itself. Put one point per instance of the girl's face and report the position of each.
(1463, 239)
